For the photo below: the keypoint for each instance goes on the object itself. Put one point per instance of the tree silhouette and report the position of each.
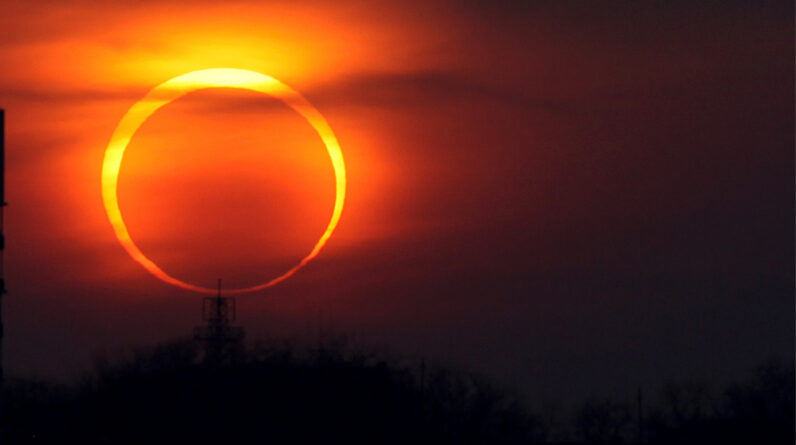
(329, 393)
(274, 395)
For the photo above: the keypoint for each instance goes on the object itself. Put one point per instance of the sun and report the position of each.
(177, 87)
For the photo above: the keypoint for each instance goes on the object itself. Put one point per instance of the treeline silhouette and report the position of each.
(330, 393)
(757, 411)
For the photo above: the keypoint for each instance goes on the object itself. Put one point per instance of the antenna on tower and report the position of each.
(221, 342)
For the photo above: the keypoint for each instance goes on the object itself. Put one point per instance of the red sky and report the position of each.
(560, 195)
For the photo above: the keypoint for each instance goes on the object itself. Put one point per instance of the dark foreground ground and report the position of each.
(282, 395)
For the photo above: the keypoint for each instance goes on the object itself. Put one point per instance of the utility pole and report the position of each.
(2, 248)
(640, 418)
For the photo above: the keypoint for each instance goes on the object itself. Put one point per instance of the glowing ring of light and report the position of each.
(175, 88)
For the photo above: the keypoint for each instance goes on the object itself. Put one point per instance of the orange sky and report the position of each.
(183, 163)
(530, 184)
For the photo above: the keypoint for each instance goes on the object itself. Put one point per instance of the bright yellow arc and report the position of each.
(174, 89)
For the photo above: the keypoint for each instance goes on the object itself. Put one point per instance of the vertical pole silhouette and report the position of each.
(2, 248)
(640, 418)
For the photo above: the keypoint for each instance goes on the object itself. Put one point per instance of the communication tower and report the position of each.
(221, 342)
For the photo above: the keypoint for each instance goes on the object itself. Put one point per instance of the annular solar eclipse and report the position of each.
(179, 86)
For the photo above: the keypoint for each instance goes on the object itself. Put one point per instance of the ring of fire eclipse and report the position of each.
(177, 87)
